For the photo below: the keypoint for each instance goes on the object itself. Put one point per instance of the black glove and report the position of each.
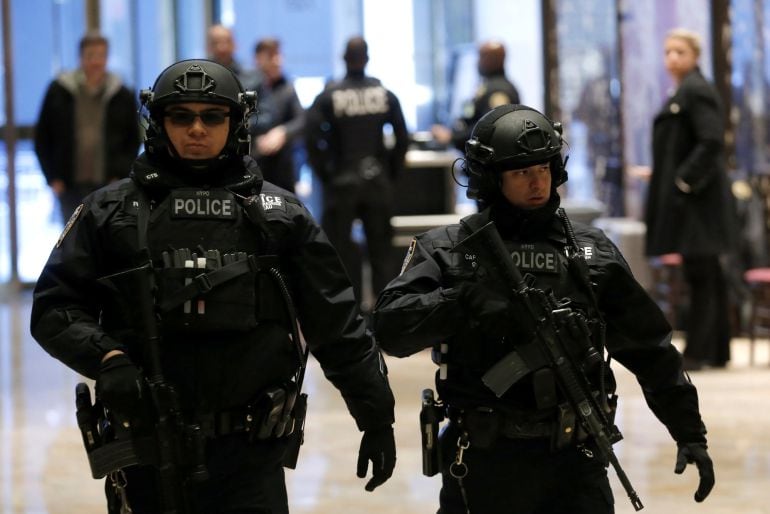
(119, 385)
(493, 312)
(378, 446)
(696, 452)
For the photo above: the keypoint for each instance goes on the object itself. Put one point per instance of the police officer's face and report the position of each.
(527, 188)
(197, 130)
(680, 57)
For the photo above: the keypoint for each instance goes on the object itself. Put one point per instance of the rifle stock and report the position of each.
(487, 248)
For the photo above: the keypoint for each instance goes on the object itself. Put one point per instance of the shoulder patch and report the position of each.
(70, 223)
(271, 202)
(409, 255)
(497, 99)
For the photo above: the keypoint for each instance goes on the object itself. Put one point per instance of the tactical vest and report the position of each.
(214, 272)
(548, 265)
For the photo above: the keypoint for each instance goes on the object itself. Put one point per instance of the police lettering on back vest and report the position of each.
(360, 102)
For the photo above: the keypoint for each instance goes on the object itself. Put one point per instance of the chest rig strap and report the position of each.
(578, 268)
(205, 282)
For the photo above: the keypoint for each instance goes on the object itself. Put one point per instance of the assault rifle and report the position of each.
(159, 437)
(556, 328)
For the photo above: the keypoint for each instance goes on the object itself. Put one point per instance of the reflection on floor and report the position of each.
(43, 468)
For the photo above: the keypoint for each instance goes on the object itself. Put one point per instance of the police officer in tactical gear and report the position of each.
(229, 348)
(521, 450)
(347, 151)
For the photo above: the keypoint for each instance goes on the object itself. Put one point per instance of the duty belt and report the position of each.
(217, 424)
(511, 426)
(235, 421)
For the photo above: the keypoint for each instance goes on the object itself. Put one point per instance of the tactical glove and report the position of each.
(689, 453)
(119, 385)
(378, 446)
(493, 312)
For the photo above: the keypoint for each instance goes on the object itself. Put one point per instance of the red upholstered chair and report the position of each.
(758, 281)
(668, 286)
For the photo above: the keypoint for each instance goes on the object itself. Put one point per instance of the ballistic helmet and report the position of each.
(197, 80)
(511, 137)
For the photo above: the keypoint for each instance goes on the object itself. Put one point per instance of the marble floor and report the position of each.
(43, 468)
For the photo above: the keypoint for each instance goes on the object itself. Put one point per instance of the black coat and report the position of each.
(56, 138)
(688, 144)
(278, 105)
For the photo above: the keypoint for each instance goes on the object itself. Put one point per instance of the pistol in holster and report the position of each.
(431, 414)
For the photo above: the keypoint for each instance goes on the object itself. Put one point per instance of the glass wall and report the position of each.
(589, 89)
(431, 65)
(750, 82)
(46, 33)
(143, 41)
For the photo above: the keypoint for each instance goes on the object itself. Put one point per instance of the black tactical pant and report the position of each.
(370, 201)
(523, 477)
(244, 478)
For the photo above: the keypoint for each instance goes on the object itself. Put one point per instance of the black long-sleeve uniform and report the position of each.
(221, 362)
(420, 309)
(347, 150)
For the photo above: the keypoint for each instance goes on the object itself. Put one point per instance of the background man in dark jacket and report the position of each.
(280, 119)
(199, 213)
(87, 133)
(689, 208)
(347, 151)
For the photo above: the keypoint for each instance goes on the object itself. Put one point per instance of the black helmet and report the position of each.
(197, 80)
(511, 137)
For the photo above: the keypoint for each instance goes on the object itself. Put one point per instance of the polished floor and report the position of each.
(43, 469)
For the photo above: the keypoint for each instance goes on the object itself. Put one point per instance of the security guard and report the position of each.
(229, 349)
(520, 450)
(346, 149)
(494, 90)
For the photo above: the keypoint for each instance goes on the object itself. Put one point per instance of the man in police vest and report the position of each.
(230, 348)
(514, 442)
(347, 151)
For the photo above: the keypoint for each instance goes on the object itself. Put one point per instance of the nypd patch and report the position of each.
(214, 204)
(70, 223)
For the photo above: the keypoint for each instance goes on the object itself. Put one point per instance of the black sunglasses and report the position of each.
(187, 118)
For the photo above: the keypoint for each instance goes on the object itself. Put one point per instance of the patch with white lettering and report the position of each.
(360, 101)
(270, 202)
(69, 224)
(409, 255)
(535, 258)
(212, 204)
(497, 99)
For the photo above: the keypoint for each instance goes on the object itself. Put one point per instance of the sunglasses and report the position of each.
(187, 118)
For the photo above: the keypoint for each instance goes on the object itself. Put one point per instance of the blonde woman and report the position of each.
(688, 201)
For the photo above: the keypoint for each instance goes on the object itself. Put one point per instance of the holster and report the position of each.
(297, 436)
(431, 414)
